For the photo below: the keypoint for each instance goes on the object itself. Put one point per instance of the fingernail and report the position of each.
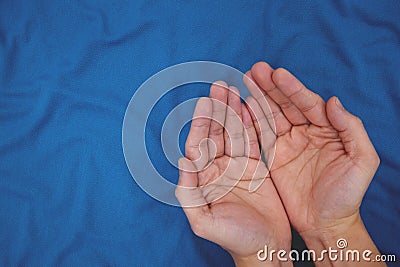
(338, 103)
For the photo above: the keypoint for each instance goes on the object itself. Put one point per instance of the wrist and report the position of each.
(333, 243)
(329, 233)
(266, 256)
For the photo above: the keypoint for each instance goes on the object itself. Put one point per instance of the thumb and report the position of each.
(187, 191)
(191, 198)
(354, 136)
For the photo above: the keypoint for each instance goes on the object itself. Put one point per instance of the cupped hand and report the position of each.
(324, 160)
(222, 160)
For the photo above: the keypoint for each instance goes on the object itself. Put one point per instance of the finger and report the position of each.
(188, 191)
(309, 103)
(196, 146)
(233, 134)
(354, 136)
(191, 198)
(219, 97)
(277, 120)
(251, 145)
(265, 134)
(262, 74)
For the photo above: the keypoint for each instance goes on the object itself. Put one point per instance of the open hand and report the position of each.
(324, 160)
(222, 158)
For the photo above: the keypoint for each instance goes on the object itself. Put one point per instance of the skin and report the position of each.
(239, 221)
(323, 164)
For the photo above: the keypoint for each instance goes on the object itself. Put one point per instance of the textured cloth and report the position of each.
(69, 68)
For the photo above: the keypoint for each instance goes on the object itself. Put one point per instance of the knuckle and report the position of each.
(200, 123)
(216, 131)
(316, 101)
(191, 145)
(377, 160)
(270, 89)
(219, 108)
(253, 142)
(197, 228)
(300, 89)
(178, 193)
(358, 120)
(286, 104)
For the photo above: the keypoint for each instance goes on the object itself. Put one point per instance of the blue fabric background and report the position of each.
(69, 68)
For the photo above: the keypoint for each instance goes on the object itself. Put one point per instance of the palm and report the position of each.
(242, 219)
(312, 166)
(216, 176)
